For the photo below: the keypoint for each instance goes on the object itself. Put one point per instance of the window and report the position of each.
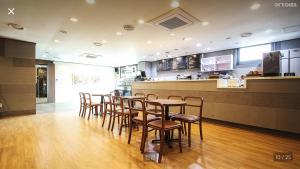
(253, 53)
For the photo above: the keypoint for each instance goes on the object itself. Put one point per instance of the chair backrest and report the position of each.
(87, 99)
(158, 111)
(132, 105)
(174, 108)
(139, 94)
(152, 97)
(117, 101)
(108, 101)
(175, 97)
(81, 96)
(196, 102)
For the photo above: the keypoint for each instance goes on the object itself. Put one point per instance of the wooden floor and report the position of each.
(65, 141)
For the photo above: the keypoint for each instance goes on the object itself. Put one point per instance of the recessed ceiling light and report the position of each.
(103, 41)
(157, 53)
(198, 44)
(149, 41)
(141, 21)
(63, 31)
(128, 27)
(73, 19)
(186, 39)
(204, 23)
(246, 34)
(255, 6)
(175, 4)
(56, 40)
(15, 26)
(269, 31)
(98, 44)
(90, 1)
(119, 33)
(208, 49)
(172, 34)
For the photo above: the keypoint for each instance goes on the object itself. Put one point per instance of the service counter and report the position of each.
(268, 102)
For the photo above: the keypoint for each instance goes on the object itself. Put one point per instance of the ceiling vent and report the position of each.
(290, 29)
(90, 56)
(174, 19)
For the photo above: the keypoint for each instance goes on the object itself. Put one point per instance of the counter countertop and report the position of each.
(247, 78)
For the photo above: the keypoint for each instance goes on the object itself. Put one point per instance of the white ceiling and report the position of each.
(43, 19)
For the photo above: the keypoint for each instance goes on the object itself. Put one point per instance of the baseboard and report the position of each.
(254, 128)
(17, 113)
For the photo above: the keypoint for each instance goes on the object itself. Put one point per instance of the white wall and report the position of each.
(66, 91)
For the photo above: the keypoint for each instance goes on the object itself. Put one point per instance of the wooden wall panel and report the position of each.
(17, 77)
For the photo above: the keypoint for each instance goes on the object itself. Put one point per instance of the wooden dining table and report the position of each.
(133, 97)
(166, 103)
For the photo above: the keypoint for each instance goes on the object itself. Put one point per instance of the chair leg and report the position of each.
(90, 109)
(84, 112)
(200, 129)
(130, 129)
(182, 129)
(113, 122)
(189, 134)
(161, 145)
(80, 110)
(179, 139)
(184, 125)
(110, 117)
(122, 120)
(144, 137)
(104, 115)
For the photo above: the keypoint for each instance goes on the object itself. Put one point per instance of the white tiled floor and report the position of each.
(57, 108)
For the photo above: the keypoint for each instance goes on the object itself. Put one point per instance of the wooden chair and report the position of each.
(138, 120)
(119, 110)
(192, 102)
(81, 107)
(161, 125)
(88, 104)
(173, 97)
(151, 97)
(172, 113)
(108, 108)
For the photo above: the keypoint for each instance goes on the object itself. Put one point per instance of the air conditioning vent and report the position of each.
(90, 56)
(174, 19)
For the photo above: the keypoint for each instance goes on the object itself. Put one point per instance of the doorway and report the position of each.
(41, 84)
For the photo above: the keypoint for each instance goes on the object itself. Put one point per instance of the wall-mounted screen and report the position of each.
(217, 63)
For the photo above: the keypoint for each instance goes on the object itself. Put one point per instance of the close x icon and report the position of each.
(11, 11)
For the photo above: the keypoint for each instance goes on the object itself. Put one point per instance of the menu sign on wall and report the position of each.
(194, 61)
(169, 64)
(180, 63)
